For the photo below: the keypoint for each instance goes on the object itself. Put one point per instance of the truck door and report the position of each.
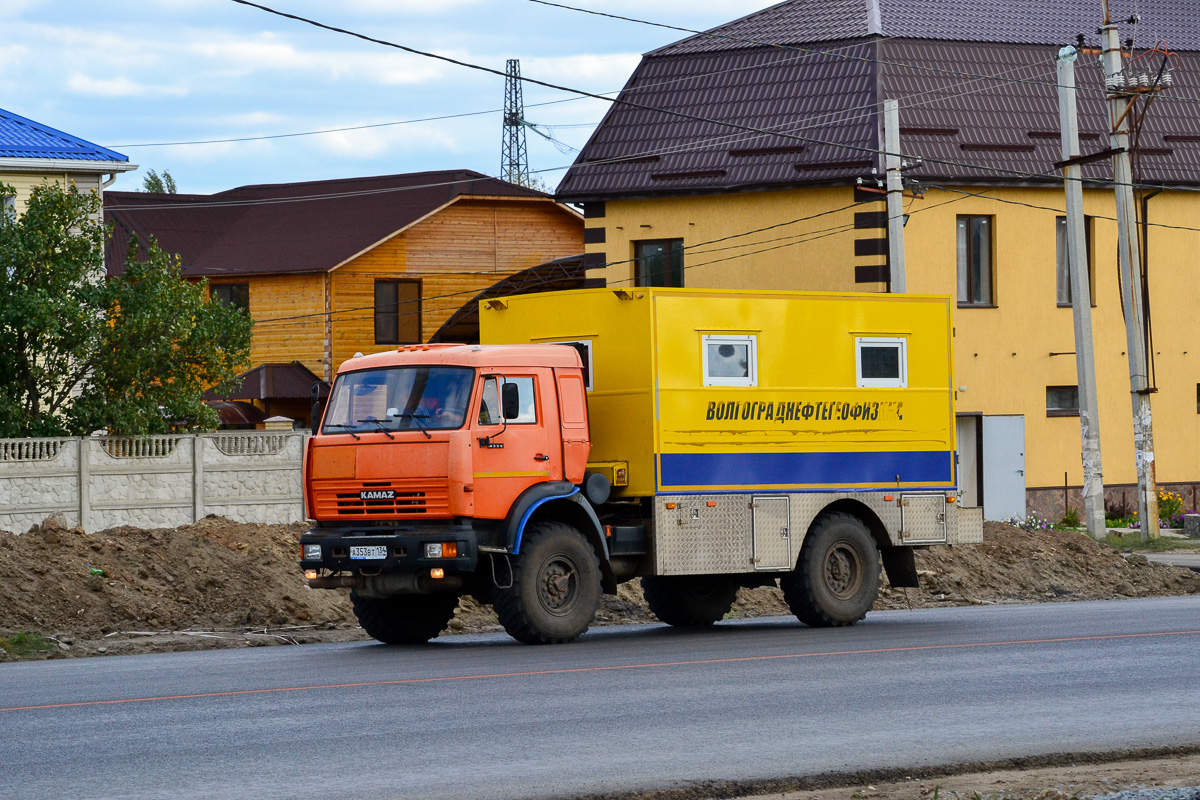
(512, 455)
(772, 534)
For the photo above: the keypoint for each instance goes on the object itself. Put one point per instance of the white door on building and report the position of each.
(967, 440)
(1003, 467)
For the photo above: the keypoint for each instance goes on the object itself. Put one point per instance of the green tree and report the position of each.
(51, 315)
(163, 345)
(158, 184)
(131, 355)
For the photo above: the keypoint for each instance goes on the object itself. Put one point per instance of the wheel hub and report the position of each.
(557, 589)
(843, 571)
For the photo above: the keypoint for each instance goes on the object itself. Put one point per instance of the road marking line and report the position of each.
(607, 668)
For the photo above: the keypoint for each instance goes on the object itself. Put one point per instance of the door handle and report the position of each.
(540, 457)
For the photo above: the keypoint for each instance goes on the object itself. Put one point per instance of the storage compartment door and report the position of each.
(772, 533)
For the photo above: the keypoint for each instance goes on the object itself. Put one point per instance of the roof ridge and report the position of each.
(467, 174)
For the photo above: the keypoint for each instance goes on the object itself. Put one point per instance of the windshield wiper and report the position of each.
(417, 418)
(344, 427)
(379, 424)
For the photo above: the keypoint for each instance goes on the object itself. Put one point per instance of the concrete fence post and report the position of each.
(84, 456)
(197, 477)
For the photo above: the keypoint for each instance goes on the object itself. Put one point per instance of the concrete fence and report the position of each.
(151, 481)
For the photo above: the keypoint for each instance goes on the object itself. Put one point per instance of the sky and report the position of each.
(137, 74)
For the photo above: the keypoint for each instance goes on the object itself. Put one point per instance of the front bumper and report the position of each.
(403, 549)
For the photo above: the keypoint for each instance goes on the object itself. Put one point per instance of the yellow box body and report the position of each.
(807, 424)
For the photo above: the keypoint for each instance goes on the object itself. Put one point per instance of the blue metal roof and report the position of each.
(24, 138)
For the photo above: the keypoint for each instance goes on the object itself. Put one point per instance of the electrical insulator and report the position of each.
(1144, 81)
(1166, 80)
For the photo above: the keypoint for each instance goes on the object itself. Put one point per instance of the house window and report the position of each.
(397, 312)
(8, 208)
(233, 294)
(975, 261)
(881, 362)
(1062, 401)
(730, 360)
(1062, 271)
(659, 263)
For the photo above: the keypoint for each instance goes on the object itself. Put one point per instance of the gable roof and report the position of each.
(312, 226)
(819, 97)
(24, 138)
(1048, 22)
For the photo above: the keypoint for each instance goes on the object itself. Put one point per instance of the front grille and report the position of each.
(413, 498)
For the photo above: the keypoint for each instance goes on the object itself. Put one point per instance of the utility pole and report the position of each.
(514, 157)
(1081, 297)
(895, 196)
(1120, 102)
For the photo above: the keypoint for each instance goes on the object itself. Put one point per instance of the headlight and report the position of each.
(433, 550)
(312, 552)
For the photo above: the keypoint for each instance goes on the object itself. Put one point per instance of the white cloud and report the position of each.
(121, 87)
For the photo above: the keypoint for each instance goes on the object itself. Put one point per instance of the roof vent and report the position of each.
(745, 152)
(678, 176)
(998, 148)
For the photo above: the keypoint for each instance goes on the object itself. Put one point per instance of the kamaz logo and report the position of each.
(378, 494)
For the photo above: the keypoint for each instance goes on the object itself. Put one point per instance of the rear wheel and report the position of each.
(404, 618)
(689, 601)
(836, 580)
(555, 587)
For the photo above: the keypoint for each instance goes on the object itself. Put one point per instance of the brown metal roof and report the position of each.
(1000, 129)
(1048, 22)
(292, 381)
(311, 226)
(822, 101)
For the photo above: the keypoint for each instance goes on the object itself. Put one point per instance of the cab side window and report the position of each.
(489, 408)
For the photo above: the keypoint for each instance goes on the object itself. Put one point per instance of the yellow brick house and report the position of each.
(695, 199)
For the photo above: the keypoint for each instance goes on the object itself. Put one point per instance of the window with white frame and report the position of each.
(584, 348)
(881, 362)
(730, 359)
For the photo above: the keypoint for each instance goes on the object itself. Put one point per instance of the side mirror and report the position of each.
(510, 401)
(320, 393)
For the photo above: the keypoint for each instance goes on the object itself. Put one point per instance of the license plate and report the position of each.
(367, 553)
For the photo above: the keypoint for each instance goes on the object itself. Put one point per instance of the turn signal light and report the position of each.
(450, 550)
(950, 498)
(671, 505)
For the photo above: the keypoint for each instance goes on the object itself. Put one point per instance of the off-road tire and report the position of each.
(689, 601)
(404, 618)
(836, 579)
(555, 587)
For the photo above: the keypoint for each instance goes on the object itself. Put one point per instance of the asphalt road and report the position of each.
(1189, 560)
(624, 708)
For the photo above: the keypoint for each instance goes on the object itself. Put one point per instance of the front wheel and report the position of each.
(836, 580)
(404, 618)
(555, 587)
(689, 601)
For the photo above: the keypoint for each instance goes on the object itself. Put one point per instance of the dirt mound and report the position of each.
(122, 584)
(219, 583)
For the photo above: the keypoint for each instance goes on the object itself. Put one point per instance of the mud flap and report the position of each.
(901, 567)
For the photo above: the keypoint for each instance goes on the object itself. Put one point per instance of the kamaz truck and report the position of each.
(700, 441)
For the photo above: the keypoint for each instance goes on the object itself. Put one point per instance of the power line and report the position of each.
(609, 264)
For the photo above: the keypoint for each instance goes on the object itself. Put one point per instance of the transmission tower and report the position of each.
(514, 157)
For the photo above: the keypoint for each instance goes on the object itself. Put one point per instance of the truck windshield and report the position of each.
(399, 398)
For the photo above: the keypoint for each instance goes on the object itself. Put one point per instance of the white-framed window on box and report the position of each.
(881, 362)
(584, 348)
(730, 359)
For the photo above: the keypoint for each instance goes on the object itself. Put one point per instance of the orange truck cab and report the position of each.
(431, 455)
